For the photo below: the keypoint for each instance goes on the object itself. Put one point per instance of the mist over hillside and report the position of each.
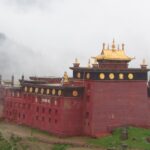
(17, 59)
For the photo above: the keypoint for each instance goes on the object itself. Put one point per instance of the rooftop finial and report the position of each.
(12, 80)
(113, 45)
(22, 78)
(65, 77)
(76, 63)
(103, 46)
(76, 60)
(122, 46)
(89, 63)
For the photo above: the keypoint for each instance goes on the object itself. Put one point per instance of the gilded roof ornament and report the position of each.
(123, 46)
(113, 54)
(103, 46)
(113, 45)
(65, 77)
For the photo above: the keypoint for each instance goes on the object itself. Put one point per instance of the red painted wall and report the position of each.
(61, 116)
(72, 116)
(117, 103)
(105, 105)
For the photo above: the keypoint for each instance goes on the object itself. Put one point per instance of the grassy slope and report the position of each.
(137, 139)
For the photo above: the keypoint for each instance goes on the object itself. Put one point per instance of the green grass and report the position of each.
(13, 143)
(33, 139)
(9, 144)
(60, 147)
(136, 139)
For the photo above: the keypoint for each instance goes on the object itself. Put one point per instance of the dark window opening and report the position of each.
(56, 111)
(37, 109)
(43, 110)
(49, 111)
(55, 121)
(23, 116)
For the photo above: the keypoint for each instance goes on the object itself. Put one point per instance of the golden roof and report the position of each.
(113, 53)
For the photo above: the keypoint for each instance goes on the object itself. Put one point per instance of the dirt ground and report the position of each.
(36, 140)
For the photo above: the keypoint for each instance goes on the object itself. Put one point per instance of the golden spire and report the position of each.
(65, 77)
(122, 46)
(103, 46)
(113, 45)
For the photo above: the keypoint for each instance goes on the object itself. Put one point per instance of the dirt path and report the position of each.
(77, 143)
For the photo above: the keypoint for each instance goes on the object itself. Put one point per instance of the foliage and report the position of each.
(4, 144)
(9, 144)
(60, 147)
(136, 139)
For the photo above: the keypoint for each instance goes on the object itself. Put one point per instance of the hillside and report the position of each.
(26, 138)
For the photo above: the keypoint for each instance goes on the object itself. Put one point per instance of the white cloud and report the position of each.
(63, 30)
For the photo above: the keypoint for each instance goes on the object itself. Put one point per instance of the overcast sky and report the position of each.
(61, 30)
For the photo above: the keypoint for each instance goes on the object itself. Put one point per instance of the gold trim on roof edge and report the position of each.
(113, 55)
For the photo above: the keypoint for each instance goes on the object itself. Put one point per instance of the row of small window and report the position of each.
(22, 116)
(27, 106)
(44, 110)
(10, 114)
(47, 91)
(102, 76)
(18, 105)
(37, 118)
